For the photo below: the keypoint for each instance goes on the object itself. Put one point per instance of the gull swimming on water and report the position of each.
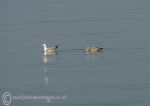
(93, 49)
(49, 50)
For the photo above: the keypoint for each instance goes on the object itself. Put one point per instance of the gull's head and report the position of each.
(44, 45)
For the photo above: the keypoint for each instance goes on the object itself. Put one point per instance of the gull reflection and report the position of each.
(46, 80)
(45, 69)
(49, 57)
(92, 56)
(45, 59)
(45, 76)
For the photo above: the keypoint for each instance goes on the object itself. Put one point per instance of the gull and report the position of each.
(49, 50)
(93, 49)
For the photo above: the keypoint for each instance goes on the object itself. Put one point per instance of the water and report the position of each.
(119, 76)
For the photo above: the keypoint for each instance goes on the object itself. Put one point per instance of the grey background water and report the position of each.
(119, 76)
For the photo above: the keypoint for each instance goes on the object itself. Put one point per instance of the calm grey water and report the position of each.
(119, 76)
